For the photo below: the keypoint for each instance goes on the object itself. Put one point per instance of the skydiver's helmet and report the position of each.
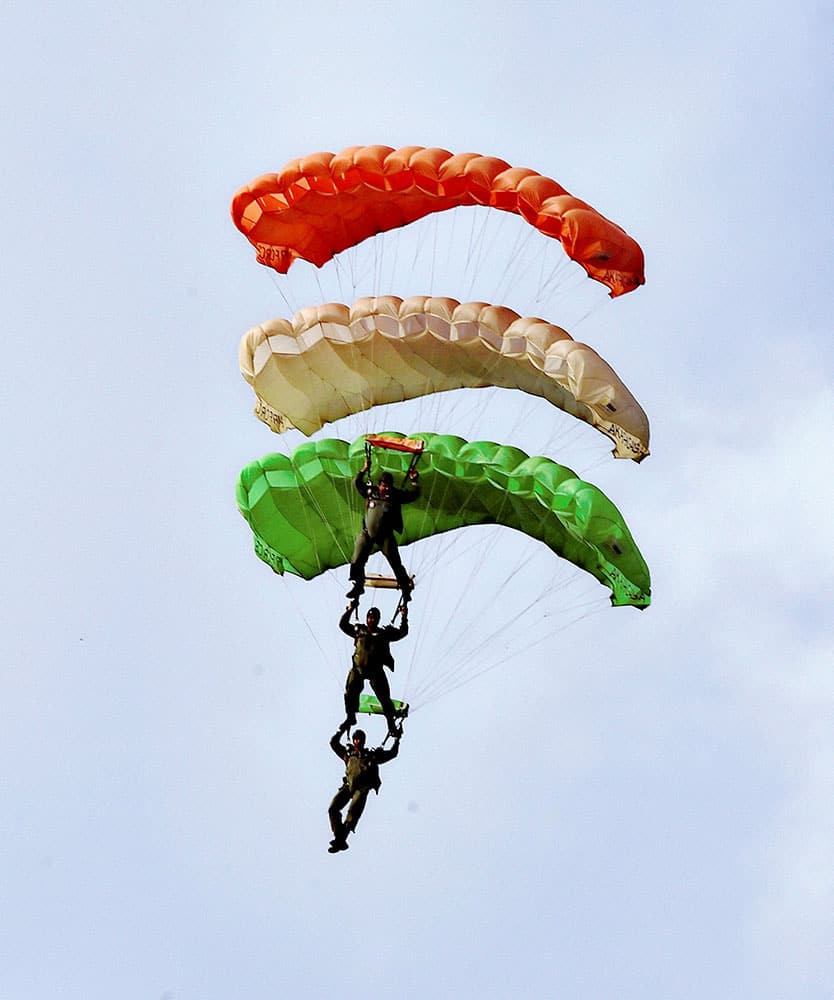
(359, 734)
(375, 614)
(386, 483)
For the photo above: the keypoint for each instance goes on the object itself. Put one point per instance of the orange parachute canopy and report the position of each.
(321, 204)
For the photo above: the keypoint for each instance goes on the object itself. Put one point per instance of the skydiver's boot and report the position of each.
(339, 841)
(356, 591)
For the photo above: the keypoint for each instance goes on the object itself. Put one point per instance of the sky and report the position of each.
(643, 806)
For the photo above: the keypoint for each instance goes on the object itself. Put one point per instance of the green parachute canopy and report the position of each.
(305, 512)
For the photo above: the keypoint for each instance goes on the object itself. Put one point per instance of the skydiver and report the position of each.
(371, 654)
(383, 516)
(361, 775)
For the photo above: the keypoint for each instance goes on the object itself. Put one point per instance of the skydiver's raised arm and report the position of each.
(345, 623)
(395, 632)
(337, 746)
(413, 491)
(362, 483)
(383, 756)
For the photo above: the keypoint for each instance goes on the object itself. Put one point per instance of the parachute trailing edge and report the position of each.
(333, 360)
(304, 509)
(321, 204)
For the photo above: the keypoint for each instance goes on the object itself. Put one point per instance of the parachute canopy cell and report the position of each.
(304, 510)
(321, 204)
(332, 360)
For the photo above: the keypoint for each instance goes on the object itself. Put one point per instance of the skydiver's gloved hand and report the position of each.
(413, 474)
(353, 604)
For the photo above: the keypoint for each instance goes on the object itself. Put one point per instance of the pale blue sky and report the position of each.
(644, 808)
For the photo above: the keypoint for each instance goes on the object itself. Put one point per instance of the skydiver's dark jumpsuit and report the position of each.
(361, 775)
(371, 654)
(382, 518)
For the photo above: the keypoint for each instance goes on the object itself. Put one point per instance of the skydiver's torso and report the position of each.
(371, 648)
(378, 515)
(361, 769)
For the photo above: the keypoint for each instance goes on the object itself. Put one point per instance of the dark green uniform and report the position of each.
(383, 517)
(361, 775)
(371, 654)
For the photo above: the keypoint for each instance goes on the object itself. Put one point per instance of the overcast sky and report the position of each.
(642, 806)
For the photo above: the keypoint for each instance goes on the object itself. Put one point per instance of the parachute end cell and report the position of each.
(275, 421)
(640, 600)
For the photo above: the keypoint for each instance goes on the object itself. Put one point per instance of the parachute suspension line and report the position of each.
(419, 245)
(379, 257)
(600, 461)
(325, 520)
(561, 265)
(569, 289)
(476, 569)
(317, 276)
(455, 675)
(436, 221)
(394, 263)
(324, 655)
(352, 267)
(279, 285)
(311, 534)
(340, 274)
(517, 266)
(450, 243)
(476, 572)
(475, 252)
(497, 663)
(440, 681)
(447, 548)
(541, 281)
(461, 671)
(455, 548)
(469, 266)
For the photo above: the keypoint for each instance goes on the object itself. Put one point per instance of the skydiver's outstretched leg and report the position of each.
(361, 550)
(389, 548)
(353, 688)
(357, 807)
(381, 688)
(340, 800)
